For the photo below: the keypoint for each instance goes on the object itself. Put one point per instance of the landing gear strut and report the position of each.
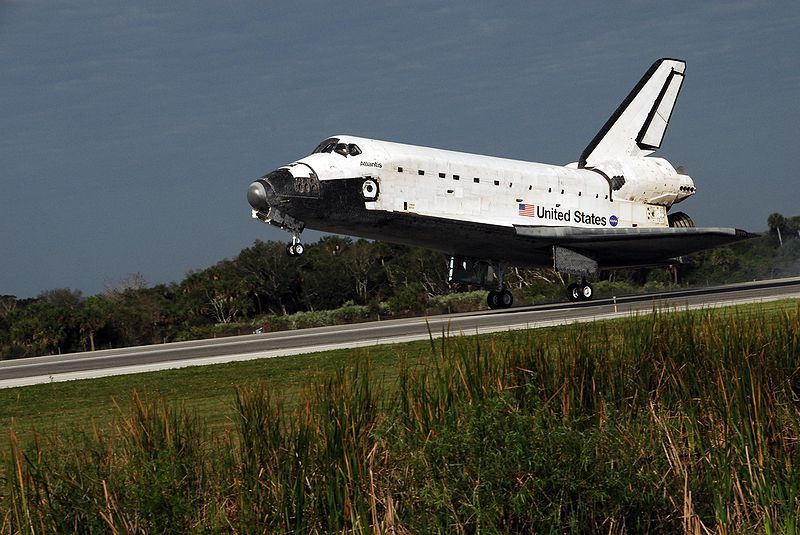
(284, 221)
(500, 298)
(580, 291)
(484, 273)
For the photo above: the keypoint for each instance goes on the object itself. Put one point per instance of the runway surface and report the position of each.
(72, 366)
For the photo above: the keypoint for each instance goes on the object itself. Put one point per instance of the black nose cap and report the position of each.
(258, 196)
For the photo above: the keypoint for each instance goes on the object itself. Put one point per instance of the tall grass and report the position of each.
(663, 423)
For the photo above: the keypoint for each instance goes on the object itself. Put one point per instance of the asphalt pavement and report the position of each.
(72, 366)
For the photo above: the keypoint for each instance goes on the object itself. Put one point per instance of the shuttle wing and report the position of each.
(631, 246)
(638, 125)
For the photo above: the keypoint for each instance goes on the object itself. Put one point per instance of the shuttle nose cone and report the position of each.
(259, 194)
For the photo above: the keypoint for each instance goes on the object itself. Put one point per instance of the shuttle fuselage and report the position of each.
(610, 209)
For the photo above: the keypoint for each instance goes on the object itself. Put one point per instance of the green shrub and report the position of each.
(614, 288)
(457, 302)
(663, 423)
(409, 298)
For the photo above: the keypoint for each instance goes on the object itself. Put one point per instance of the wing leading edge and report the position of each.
(633, 246)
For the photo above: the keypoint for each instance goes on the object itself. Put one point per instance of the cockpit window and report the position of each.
(327, 145)
(332, 145)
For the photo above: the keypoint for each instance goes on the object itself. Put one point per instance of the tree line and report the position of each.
(380, 279)
(260, 280)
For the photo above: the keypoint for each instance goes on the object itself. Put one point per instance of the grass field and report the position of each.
(208, 391)
(670, 422)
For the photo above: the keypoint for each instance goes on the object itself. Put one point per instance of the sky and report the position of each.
(131, 130)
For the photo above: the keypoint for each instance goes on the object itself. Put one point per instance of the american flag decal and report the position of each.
(527, 210)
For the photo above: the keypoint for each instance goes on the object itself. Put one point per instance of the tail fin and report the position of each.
(638, 126)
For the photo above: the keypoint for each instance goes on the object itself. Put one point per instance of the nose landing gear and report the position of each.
(285, 222)
(296, 248)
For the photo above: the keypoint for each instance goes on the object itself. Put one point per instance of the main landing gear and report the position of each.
(487, 274)
(580, 291)
(499, 299)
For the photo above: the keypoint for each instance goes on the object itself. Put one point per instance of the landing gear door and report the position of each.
(471, 271)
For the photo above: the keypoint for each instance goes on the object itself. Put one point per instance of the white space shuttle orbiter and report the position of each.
(611, 209)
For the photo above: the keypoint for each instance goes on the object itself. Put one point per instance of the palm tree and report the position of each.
(775, 222)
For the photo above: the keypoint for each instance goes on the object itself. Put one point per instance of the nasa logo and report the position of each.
(613, 220)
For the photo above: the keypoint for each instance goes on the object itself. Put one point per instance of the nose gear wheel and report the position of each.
(296, 248)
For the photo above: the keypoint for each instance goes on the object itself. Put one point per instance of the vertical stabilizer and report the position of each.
(637, 127)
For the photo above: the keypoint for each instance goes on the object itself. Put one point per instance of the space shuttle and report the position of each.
(611, 209)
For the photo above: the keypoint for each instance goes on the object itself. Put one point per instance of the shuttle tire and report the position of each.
(587, 292)
(573, 292)
(501, 299)
(296, 249)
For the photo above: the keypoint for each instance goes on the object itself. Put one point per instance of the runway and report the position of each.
(86, 365)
